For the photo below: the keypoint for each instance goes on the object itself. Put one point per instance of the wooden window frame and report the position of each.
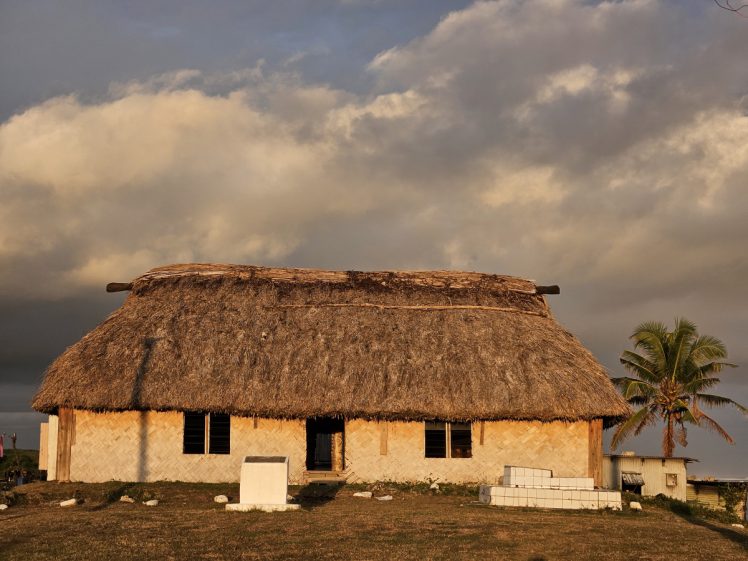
(448, 452)
(209, 445)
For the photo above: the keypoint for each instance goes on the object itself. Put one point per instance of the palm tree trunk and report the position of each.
(668, 440)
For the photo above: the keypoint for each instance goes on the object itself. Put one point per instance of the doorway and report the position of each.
(324, 444)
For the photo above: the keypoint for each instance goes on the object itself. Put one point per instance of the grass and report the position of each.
(417, 524)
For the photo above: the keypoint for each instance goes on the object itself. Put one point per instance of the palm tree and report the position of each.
(672, 369)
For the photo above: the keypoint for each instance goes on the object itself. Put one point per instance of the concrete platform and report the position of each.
(242, 507)
(571, 499)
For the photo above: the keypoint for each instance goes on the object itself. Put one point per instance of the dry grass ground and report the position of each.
(188, 525)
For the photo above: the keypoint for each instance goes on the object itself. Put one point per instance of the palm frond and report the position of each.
(710, 424)
(707, 348)
(719, 401)
(641, 366)
(632, 387)
(681, 435)
(699, 384)
(681, 340)
(651, 336)
(631, 424)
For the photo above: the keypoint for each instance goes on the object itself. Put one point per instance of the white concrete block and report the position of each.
(555, 482)
(576, 495)
(264, 480)
(566, 494)
(558, 503)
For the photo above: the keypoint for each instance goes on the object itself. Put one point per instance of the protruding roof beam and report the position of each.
(550, 289)
(118, 286)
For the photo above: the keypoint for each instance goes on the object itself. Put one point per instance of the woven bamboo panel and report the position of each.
(147, 446)
(561, 447)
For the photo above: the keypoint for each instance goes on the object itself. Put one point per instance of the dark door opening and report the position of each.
(324, 444)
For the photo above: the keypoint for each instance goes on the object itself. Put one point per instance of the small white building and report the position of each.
(646, 475)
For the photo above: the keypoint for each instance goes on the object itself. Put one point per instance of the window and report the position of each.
(220, 433)
(671, 479)
(194, 433)
(461, 440)
(436, 439)
(211, 432)
(454, 438)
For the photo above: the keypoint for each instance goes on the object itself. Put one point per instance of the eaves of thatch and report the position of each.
(294, 343)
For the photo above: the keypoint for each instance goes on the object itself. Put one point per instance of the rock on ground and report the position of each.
(363, 494)
(3, 507)
(126, 499)
(633, 505)
(385, 498)
(733, 525)
(222, 499)
(152, 502)
(434, 486)
(69, 502)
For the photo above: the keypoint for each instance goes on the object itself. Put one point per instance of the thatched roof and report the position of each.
(294, 343)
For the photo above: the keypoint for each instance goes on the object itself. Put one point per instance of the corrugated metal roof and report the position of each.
(632, 478)
(684, 458)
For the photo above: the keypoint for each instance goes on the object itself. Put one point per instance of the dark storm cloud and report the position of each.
(603, 147)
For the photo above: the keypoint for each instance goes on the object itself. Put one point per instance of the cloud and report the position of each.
(531, 141)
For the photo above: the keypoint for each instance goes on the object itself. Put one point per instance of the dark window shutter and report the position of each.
(436, 439)
(462, 440)
(220, 433)
(194, 433)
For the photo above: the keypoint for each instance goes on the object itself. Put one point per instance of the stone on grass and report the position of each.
(633, 505)
(152, 502)
(126, 499)
(222, 499)
(385, 498)
(363, 494)
(434, 486)
(737, 525)
(3, 507)
(69, 502)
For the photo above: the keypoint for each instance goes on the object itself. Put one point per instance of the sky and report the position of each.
(601, 146)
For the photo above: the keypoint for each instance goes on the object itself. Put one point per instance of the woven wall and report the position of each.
(561, 447)
(147, 446)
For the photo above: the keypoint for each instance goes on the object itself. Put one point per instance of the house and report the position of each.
(646, 475)
(710, 492)
(402, 376)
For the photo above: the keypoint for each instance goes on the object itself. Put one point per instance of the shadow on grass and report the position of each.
(315, 495)
(736, 536)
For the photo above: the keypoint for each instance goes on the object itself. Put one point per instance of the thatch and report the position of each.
(292, 343)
